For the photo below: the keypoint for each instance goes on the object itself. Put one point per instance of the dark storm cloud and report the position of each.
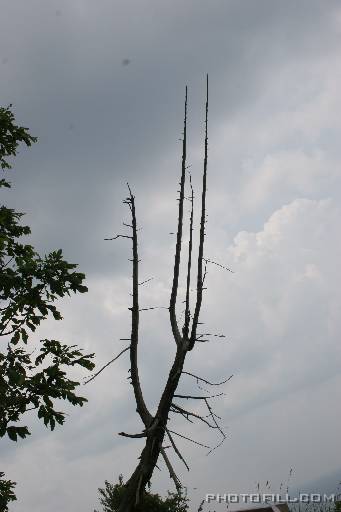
(100, 124)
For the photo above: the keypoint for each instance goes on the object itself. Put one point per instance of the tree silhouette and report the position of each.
(156, 428)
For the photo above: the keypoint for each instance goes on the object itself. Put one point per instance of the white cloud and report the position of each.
(286, 172)
(282, 302)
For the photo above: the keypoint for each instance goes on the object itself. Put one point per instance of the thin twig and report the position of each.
(218, 265)
(176, 449)
(105, 366)
(207, 381)
(217, 426)
(172, 473)
(194, 397)
(146, 281)
(185, 413)
(119, 236)
(189, 439)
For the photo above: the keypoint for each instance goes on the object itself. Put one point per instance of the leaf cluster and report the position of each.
(24, 385)
(112, 494)
(10, 136)
(6, 492)
(29, 286)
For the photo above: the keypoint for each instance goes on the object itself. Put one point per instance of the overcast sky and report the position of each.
(102, 84)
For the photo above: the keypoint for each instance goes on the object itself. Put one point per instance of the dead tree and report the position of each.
(156, 426)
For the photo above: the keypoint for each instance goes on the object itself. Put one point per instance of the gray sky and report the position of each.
(273, 218)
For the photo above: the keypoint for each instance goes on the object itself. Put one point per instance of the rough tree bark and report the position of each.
(155, 426)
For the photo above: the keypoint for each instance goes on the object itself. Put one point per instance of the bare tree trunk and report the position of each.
(150, 453)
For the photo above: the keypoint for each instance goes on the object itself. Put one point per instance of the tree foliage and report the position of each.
(111, 497)
(29, 287)
(6, 492)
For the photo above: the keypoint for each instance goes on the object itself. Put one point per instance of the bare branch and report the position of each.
(172, 304)
(176, 449)
(146, 281)
(210, 334)
(213, 416)
(217, 446)
(185, 413)
(152, 307)
(172, 473)
(217, 426)
(176, 410)
(185, 329)
(8, 262)
(200, 278)
(133, 436)
(191, 397)
(119, 236)
(189, 439)
(106, 365)
(140, 403)
(207, 381)
(218, 265)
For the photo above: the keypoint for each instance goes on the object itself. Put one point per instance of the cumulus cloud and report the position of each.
(281, 302)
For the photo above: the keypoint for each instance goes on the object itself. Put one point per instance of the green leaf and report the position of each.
(15, 338)
(6, 492)
(12, 433)
(31, 325)
(23, 432)
(16, 377)
(47, 400)
(57, 315)
(24, 335)
(4, 183)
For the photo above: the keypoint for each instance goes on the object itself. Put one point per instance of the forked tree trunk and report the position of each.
(156, 426)
(150, 453)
